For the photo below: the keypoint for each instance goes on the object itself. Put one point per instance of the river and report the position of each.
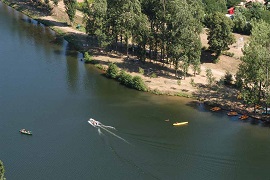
(44, 87)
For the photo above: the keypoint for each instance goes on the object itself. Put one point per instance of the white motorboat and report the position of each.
(94, 122)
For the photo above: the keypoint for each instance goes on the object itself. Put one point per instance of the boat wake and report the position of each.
(100, 126)
(104, 128)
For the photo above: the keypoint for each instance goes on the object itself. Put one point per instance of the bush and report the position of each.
(226, 53)
(238, 81)
(141, 70)
(216, 60)
(138, 83)
(80, 6)
(99, 66)
(179, 82)
(192, 82)
(153, 75)
(125, 79)
(228, 79)
(87, 58)
(210, 77)
(112, 71)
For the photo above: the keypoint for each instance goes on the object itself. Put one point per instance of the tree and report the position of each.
(219, 32)
(2, 171)
(240, 22)
(70, 6)
(212, 6)
(253, 69)
(231, 3)
(95, 16)
(55, 2)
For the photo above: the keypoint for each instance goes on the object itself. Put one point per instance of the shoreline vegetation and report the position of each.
(158, 77)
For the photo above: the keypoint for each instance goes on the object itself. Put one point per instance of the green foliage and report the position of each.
(55, 2)
(253, 70)
(141, 70)
(210, 77)
(193, 84)
(80, 6)
(240, 21)
(95, 16)
(212, 6)
(228, 78)
(238, 81)
(2, 171)
(226, 53)
(156, 92)
(99, 66)
(125, 78)
(153, 75)
(232, 3)
(70, 7)
(220, 32)
(179, 82)
(112, 71)
(138, 83)
(87, 58)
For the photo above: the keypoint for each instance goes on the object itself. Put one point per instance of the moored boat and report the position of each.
(180, 123)
(215, 109)
(24, 131)
(244, 117)
(94, 122)
(232, 113)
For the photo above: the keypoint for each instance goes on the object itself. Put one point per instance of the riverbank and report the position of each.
(164, 82)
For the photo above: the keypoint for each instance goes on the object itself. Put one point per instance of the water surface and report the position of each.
(45, 87)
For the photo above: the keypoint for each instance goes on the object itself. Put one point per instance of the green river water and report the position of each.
(44, 87)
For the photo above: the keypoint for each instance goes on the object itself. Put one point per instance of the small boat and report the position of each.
(232, 113)
(167, 120)
(94, 122)
(215, 109)
(24, 131)
(244, 117)
(180, 123)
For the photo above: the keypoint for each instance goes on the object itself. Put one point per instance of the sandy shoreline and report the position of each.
(165, 82)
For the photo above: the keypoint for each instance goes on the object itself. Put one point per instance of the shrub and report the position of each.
(125, 79)
(99, 66)
(138, 83)
(153, 75)
(216, 60)
(141, 70)
(210, 77)
(192, 82)
(226, 53)
(112, 71)
(238, 81)
(228, 79)
(179, 82)
(87, 58)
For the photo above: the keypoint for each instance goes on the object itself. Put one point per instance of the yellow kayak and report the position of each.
(180, 123)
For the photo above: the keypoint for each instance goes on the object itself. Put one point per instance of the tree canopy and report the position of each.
(219, 32)
(254, 68)
(70, 6)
